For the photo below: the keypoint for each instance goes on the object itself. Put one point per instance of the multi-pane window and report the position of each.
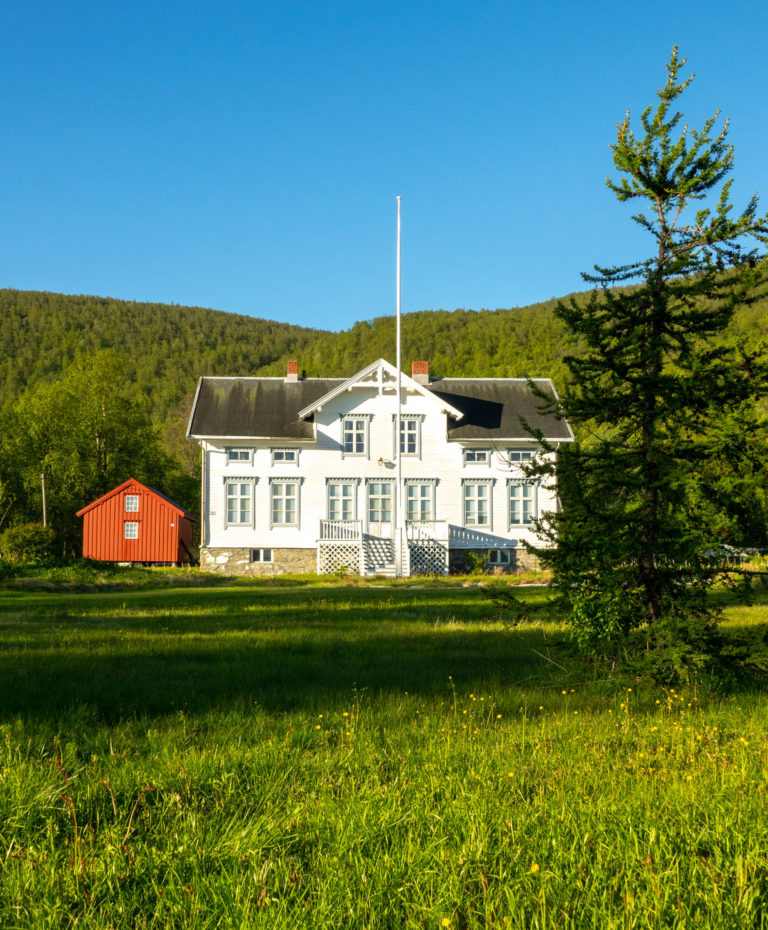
(261, 555)
(285, 456)
(499, 556)
(477, 456)
(238, 455)
(239, 495)
(131, 530)
(380, 502)
(519, 455)
(355, 434)
(285, 503)
(477, 504)
(341, 500)
(409, 437)
(419, 498)
(132, 503)
(522, 503)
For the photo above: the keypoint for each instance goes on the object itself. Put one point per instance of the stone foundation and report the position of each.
(304, 562)
(463, 561)
(238, 562)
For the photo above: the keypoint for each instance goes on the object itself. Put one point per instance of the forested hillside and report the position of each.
(167, 347)
(70, 362)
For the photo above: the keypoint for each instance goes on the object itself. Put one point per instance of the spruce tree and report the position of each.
(656, 391)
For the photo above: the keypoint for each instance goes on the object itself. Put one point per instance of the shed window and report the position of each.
(131, 530)
(131, 503)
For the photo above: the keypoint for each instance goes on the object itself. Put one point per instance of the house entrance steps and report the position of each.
(378, 556)
(343, 547)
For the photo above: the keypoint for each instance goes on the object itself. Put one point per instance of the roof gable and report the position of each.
(133, 484)
(381, 376)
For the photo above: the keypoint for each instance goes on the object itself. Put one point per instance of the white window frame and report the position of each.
(431, 483)
(329, 482)
(130, 499)
(366, 420)
(278, 455)
(244, 455)
(261, 557)
(251, 482)
(134, 525)
(513, 495)
(279, 524)
(368, 484)
(408, 419)
(469, 451)
(500, 557)
(519, 456)
(467, 483)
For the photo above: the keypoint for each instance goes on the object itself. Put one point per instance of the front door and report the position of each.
(380, 509)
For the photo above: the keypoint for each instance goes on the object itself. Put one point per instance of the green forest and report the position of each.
(66, 355)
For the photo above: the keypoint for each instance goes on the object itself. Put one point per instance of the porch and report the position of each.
(344, 546)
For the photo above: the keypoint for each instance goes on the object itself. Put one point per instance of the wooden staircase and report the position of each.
(378, 556)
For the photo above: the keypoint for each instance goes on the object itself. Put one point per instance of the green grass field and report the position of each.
(324, 756)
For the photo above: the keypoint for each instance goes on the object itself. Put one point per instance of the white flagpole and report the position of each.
(398, 494)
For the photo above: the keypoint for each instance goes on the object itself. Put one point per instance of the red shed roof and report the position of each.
(132, 482)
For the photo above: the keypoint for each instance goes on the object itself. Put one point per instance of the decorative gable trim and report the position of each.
(382, 376)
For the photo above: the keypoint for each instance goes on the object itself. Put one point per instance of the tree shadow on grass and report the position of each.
(281, 650)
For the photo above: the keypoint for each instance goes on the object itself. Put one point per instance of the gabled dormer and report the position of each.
(380, 377)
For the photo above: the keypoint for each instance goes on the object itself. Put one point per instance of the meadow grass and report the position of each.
(324, 755)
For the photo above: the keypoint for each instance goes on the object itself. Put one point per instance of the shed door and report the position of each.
(131, 534)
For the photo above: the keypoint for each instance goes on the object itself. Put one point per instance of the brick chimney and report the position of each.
(420, 372)
(292, 374)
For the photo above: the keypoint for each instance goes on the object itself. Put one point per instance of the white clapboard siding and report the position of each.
(322, 459)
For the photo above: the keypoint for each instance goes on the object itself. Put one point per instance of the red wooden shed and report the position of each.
(135, 523)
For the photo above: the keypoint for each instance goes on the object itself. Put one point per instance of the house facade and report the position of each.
(302, 474)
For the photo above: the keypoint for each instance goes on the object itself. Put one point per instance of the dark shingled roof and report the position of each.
(494, 408)
(268, 408)
(264, 407)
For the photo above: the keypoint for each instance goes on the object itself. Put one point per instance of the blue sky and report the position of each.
(246, 156)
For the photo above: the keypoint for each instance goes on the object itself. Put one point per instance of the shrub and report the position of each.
(27, 542)
(601, 619)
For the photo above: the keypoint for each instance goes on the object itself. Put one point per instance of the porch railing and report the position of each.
(426, 529)
(341, 529)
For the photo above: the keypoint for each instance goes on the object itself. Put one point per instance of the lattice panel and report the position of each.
(428, 558)
(338, 557)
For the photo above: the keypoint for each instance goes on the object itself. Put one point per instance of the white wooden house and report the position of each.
(300, 474)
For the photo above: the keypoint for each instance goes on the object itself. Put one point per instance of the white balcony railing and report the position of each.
(426, 529)
(341, 529)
